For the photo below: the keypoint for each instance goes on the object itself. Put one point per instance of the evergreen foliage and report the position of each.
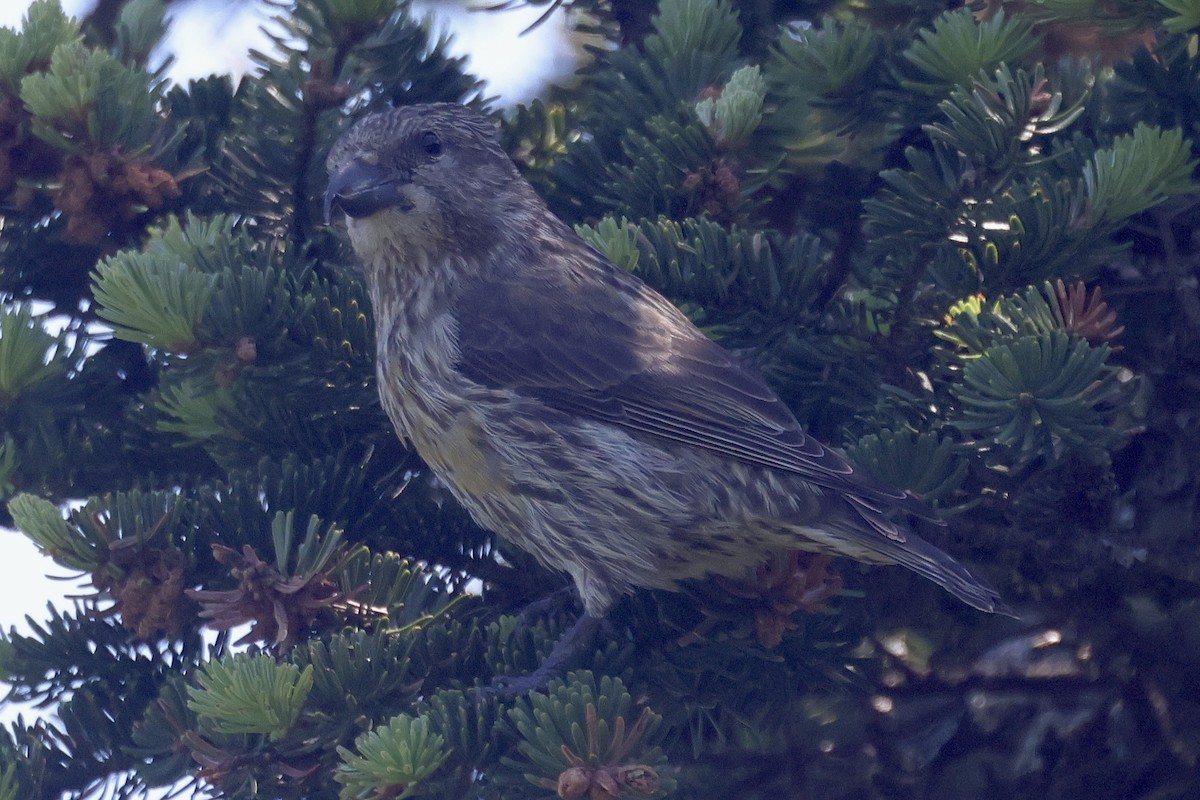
(894, 211)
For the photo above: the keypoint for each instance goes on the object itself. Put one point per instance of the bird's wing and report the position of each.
(604, 346)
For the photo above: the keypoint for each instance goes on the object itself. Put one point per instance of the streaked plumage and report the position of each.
(569, 407)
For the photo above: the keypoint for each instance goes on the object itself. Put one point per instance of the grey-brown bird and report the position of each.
(568, 406)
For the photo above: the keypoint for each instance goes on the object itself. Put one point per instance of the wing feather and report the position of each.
(602, 345)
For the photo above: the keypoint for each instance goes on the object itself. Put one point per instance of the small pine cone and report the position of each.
(150, 184)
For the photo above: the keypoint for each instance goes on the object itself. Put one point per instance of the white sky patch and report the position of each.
(28, 581)
(11, 13)
(208, 38)
(515, 65)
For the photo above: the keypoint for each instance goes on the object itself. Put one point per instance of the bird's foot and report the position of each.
(544, 607)
(510, 687)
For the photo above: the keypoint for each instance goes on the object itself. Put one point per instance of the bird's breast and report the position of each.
(433, 406)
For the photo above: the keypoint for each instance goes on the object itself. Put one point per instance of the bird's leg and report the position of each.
(578, 636)
(545, 606)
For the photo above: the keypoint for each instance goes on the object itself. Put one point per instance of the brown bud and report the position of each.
(605, 784)
(21, 198)
(573, 782)
(639, 779)
(769, 627)
(728, 183)
(150, 184)
(1087, 315)
(246, 349)
(225, 375)
(321, 93)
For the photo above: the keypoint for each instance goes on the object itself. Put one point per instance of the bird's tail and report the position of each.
(893, 544)
(928, 561)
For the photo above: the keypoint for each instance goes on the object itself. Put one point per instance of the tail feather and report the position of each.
(930, 562)
(910, 550)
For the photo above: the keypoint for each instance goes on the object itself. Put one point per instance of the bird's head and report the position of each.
(430, 177)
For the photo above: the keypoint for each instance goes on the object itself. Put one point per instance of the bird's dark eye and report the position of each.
(431, 144)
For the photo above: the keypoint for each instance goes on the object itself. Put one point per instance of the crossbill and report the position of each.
(569, 407)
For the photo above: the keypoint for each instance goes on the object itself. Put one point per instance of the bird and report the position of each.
(570, 408)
